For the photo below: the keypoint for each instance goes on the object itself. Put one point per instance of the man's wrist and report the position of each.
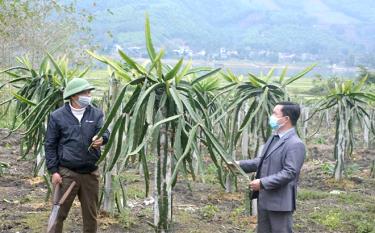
(53, 170)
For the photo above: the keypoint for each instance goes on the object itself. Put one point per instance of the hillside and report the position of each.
(333, 29)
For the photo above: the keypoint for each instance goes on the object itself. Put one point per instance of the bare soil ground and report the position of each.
(204, 208)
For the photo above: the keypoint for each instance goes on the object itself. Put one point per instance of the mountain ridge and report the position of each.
(332, 29)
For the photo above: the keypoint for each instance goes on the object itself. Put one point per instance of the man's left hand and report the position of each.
(97, 142)
(255, 185)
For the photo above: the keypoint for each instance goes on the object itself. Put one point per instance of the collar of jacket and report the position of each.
(288, 134)
(67, 106)
(69, 110)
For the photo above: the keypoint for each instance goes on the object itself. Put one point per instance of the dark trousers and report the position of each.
(87, 190)
(274, 221)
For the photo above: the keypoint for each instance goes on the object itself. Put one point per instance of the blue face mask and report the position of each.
(273, 123)
(84, 101)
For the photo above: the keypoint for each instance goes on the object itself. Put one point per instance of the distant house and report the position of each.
(183, 50)
(223, 53)
(308, 57)
(134, 48)
(136, 51)
(286, 57)
(232, 53)
(200, 54)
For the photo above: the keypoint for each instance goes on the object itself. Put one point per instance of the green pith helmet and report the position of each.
(76, 85)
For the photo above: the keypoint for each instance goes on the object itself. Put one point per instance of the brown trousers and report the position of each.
(87, 189)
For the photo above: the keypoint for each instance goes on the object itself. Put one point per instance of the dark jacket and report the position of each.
(279, 172)
(67, 140)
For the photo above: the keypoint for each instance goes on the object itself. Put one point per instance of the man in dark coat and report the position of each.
(71, 129)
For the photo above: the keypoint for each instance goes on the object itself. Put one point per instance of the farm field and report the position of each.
(323, 204)
(162, 134)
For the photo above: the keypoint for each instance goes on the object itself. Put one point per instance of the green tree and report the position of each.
(256, 96)
(351, 102)
(36, 92)
(162, 114)
(32, 27)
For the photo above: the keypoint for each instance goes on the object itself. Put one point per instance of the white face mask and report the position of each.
(84, 101)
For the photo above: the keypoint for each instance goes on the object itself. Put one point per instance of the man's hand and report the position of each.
(97, 142)
(56, 179)
(255, 185)
(231, 166)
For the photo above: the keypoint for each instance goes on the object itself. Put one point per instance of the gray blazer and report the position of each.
(279, 173)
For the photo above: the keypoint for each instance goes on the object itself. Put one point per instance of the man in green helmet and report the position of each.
(71, 129)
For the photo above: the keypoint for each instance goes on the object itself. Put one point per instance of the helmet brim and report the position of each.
(77, 90)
